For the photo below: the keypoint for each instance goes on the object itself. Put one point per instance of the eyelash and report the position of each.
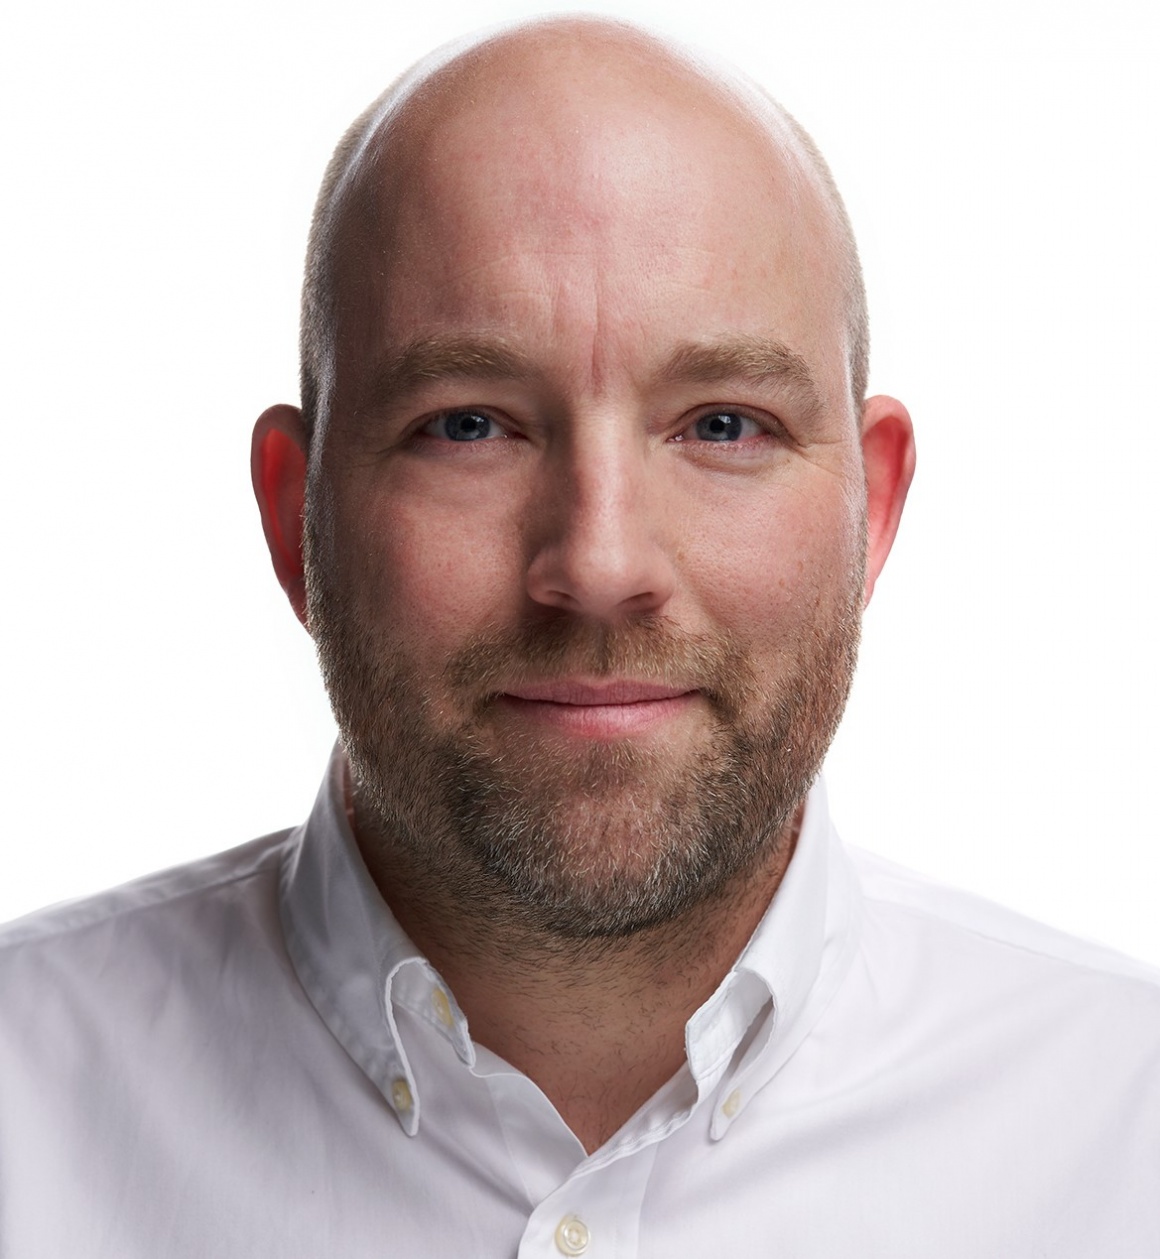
(758, 429)
(442, 418)
(714, 413)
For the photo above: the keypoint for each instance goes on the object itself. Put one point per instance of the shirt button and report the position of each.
(442, 1007)
(572, 1236)
(401, 1094)
(732, 1104)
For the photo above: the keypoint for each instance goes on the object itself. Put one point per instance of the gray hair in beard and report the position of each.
(623, 836)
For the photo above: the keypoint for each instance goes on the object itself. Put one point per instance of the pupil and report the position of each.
(721, 427)
(465, 426)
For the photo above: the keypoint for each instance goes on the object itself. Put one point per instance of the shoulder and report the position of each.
(156, 902)
(893, 890)
(110, 982)
(1002, 1018)
(983, 964)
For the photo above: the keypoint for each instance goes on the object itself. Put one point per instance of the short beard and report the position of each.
(618, 839)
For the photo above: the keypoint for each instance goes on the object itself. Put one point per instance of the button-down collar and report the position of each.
(360, 968)
(970, 1084)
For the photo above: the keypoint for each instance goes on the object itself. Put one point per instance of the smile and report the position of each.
(597, 710)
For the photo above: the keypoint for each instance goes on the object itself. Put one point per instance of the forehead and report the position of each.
(599, 203)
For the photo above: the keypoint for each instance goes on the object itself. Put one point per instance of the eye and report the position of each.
(721, 426)
(464, 425)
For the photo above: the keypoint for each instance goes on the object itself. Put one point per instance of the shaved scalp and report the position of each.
(346, 201)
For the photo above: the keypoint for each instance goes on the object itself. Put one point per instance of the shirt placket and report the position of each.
(595, 1213)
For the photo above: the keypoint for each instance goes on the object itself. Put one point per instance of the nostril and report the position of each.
(600, 541)
(601, 581)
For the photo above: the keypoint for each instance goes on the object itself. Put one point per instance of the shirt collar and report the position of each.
(786, 975)
(346, 946)
(356, 963)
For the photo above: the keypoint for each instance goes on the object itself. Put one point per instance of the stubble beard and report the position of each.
(613, 840)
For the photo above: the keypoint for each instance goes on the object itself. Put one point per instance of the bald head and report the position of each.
(588, 127)
(590, 512)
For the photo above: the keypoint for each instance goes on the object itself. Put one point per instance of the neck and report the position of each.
(598, 1024)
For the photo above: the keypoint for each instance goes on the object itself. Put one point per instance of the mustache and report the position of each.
(647, 649)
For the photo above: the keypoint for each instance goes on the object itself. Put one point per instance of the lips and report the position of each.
(608, 709)
(595, 694)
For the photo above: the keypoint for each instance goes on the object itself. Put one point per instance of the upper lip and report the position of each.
(609, 691)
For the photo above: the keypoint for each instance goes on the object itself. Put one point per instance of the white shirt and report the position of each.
(247, 1057)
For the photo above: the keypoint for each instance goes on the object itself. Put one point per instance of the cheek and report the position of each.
(425, 574)
(778, 565)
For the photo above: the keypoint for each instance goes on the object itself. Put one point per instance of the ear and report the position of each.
(888, 458)
(278, 470)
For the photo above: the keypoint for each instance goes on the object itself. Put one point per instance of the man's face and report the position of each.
(586, 538)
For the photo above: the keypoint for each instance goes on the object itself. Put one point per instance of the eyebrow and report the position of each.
(753, 360)
(443, 358)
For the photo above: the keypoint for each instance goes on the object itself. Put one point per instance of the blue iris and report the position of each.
(721, 426)
(466, 426)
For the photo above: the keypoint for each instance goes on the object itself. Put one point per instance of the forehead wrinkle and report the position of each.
(554, 67)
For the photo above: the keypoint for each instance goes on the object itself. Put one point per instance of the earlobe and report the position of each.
(278, 470)
(888, 459)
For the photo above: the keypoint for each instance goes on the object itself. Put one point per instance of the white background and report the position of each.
(999, 161)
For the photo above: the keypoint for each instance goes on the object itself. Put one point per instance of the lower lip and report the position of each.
(598, 721)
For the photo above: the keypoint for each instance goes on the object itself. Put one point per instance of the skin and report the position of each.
(599, 208)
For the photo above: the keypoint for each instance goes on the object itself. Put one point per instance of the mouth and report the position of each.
(605, 709)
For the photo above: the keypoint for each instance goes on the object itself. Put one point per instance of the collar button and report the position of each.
(442, 1007)
(401, 1098)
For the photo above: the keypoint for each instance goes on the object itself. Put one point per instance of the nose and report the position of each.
(599, 534)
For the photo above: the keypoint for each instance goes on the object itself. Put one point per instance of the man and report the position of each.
(581, 508)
